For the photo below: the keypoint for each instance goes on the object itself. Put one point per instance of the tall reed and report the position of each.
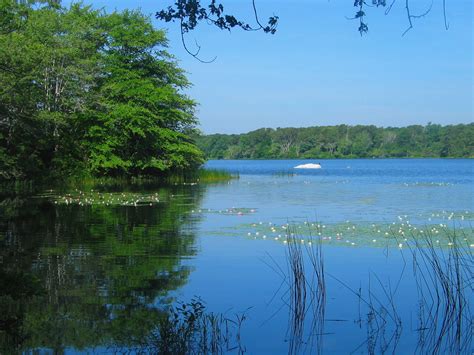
(307, 292)
(444, 283)
(189, 329)
(445, 280)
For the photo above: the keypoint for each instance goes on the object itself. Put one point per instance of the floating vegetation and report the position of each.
(87, 198)
(451, 215)
(238, 211)
(136, 191)
(428, 184)
(394, 234)
(233, 211)
(147, 183)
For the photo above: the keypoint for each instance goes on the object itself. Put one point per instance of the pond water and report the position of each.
(93, 269)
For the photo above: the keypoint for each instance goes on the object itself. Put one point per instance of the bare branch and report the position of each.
(196, 53)
(256, 14)
(389, 8)
(410, 16)
(190, 12)
(446, 24)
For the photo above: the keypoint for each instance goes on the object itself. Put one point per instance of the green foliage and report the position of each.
(86, 92)
(456, 141)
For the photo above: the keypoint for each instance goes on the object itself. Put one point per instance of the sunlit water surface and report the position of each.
(103, 264)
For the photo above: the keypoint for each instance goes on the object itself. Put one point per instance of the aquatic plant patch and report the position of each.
(232, 211)
(395, 234)
(84, 198)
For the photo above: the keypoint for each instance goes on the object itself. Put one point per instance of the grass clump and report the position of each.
(128, 192)
(148, 181)
(189, 329)
(207, 176)
(444, 281)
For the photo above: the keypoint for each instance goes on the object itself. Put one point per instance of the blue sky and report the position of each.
(318, 70)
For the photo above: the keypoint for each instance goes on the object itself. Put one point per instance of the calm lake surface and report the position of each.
(89, 270)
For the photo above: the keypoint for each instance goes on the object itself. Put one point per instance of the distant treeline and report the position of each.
(343, 141)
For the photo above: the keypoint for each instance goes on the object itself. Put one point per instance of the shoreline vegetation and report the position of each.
(85, 93)
(343, 142)
(108, 184)
(200, 175)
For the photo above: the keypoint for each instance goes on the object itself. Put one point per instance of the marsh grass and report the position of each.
(444, 280)
(317, 286)
(126, 192)
(444, 285)
(214, 175)
(146, 182)
(199, 176)
(189, 329)
(297, 293)
(305, 296)
(378, 314)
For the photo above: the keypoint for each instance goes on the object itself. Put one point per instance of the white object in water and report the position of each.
(308, 166)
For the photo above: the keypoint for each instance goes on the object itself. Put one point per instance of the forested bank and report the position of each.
(84, 92)
(343, 141)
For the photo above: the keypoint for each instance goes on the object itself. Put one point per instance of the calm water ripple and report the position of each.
(93, 270)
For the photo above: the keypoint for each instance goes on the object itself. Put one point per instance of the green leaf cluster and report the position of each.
(90, 93)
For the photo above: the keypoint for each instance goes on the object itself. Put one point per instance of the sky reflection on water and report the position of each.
(102, 274)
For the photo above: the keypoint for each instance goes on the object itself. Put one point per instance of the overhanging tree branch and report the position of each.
(410, 16)
(190, 12)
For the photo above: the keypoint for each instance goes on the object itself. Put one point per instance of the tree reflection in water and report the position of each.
(88, 276)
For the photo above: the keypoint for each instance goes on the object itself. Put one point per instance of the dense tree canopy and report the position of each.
(82, 90)
(343, 141)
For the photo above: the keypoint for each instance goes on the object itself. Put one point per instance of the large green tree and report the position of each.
(82, 91)
(144, 118)
(50, 63)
